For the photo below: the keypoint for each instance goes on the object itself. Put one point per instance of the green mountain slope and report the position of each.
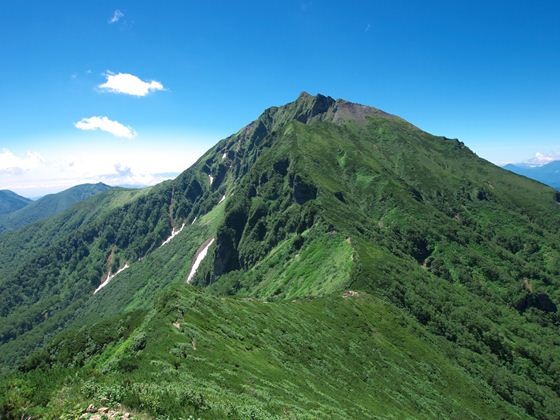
(49, 205)
(10, 201)
(194, 354)
(459, 258)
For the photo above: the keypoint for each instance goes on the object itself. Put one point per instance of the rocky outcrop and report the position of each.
(94, 413)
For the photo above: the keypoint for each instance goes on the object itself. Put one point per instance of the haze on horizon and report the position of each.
(132, 93)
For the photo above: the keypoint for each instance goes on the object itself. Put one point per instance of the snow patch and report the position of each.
(222, 199)
(192, 223)
(211, 178)
(174, 233)
(200, 255)
(224, 155)
(110, 277)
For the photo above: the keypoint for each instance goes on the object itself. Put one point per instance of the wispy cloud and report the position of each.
(105, 124)
(117, 15)
(129, 84)
(123, 174)
(13, 164)
(368, 27)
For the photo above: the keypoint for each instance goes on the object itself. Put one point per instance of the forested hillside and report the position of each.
(346, 250)
(49, 205)
(10, 201)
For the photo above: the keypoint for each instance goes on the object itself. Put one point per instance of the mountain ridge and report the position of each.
(50, 205)
(548, 173)
(10, 201)
(310, 206)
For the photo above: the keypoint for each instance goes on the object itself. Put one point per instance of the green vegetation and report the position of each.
(49, 205)
(215, 358)
(454, 264)
(10, 201)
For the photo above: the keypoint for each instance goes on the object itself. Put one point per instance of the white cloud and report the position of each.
(117, 15)
(13, 164)
(123, 174)
(541, 159)
(105, 124)
(129, 84)
(55, 167)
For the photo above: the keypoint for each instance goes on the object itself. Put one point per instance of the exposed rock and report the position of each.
(348, 111)
(527, 286)
(350, 294)
(92, 413)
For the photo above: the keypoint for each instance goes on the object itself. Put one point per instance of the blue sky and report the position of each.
(487, 74)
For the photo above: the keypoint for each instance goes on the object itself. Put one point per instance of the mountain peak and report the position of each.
(321, 107)
(309, 108)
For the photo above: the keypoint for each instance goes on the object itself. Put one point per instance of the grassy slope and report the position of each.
(215, 357)
(437, 231)
(413, 221)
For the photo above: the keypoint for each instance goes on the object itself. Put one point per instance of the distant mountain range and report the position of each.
(10, 201)
(547, 174)
(32, 211)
